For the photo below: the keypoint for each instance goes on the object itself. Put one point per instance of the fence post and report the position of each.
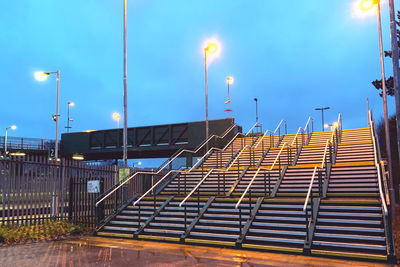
(71, 197)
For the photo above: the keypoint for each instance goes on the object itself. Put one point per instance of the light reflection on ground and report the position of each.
(97, 251)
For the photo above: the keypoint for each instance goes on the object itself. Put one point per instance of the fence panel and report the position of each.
(34, 189)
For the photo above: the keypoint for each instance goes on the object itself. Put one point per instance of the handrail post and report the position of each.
(250, 202)
(218, 183)
(139, 207)
(240, 220)
(320, 183)
(198, 200)
(184, 207)
(179, 184)
(184, 181)
(269, 183)
(265, 185)
(224, 181)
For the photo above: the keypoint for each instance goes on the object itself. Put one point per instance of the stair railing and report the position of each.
(277, 129)
(383, 196)
(258, 170)
(305, 207)
(196, 187)
(251, 129)
(237, 157)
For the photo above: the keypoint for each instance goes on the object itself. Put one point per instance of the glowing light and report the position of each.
(326, 125)
(41, 76)
(13, 127)
(71, 104)
(364, 8)
(17, 154)
(78, 157)
(116, 116)
(211, 48)
(336, 124)
(367, 4)
(229, 80)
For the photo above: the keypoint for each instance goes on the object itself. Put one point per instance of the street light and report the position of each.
(12, 127)
(210, 48)
(116, 117)
(322, 111)
(42, 76)
(229, 81)
(367, 5)
(70, 104)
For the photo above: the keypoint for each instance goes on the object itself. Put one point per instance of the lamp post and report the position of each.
(42, 76)
(256, 100)
(322, 111)
(125, 132)
(116, 117)
(366, 5)
(12, 127)
(229, 81)
(211, 48)
(70, 104)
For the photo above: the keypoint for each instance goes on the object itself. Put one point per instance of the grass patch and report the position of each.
(49, 230)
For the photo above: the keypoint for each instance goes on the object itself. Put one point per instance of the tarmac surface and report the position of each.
(98, 251)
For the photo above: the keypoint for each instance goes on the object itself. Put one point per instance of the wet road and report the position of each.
(97, 251)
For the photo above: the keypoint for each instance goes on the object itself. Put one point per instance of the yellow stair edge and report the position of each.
(355, 143)
(349, 255)
(114, 235)
(162, 238)
(214, 242)
(350, 201)
(354, 164)
(347, 130)
(352, 194)
(262, 247)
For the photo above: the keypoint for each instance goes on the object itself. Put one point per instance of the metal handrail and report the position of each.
(233, 161)
(377, 164)
(310, 189)
(197, 186)
(152, 188)
(257, 123)
(325, 150)
(272, 133)
(164, 165)
(308, 121)
(258, 170)
(295, 137)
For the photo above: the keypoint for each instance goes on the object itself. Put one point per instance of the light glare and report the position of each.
(116, 116)
(229, 80)
(13, 127)
(41, 76)
(71, 104)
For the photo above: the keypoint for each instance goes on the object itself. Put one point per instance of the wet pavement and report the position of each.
(97, 251)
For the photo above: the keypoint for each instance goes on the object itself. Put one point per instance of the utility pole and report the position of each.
(125, 133)
(395, 61)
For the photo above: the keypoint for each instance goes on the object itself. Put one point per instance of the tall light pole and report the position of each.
(116, 117)
(42, 76)
(125, 134)
(229, 81)
(366, 5)
(396, 78)
(209, 49)
(322, 111)
(256, 100)
(70, 104)
(12, 127)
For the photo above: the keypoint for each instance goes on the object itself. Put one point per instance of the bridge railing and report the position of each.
(26, 143)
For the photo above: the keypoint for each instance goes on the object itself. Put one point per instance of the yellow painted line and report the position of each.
(323, 144)
(267, 166)
(356, 143)
(351, 255)
(304, 166)
(261, 247)
(350, 201)
(354, 164)
(353, 194)
(283, 200)
(207, 242)
(115, 235)
(162, 238)
(348, 130)
(291, 194)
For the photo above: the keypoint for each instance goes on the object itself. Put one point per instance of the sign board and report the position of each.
(52, 152)
(93, 186)
(123, 173)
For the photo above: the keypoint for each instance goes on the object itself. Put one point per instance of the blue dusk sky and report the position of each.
(293, 56)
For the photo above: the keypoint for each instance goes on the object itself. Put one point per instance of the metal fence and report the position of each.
(34, 189)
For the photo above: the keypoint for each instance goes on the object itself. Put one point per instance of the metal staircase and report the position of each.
(321, 194)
